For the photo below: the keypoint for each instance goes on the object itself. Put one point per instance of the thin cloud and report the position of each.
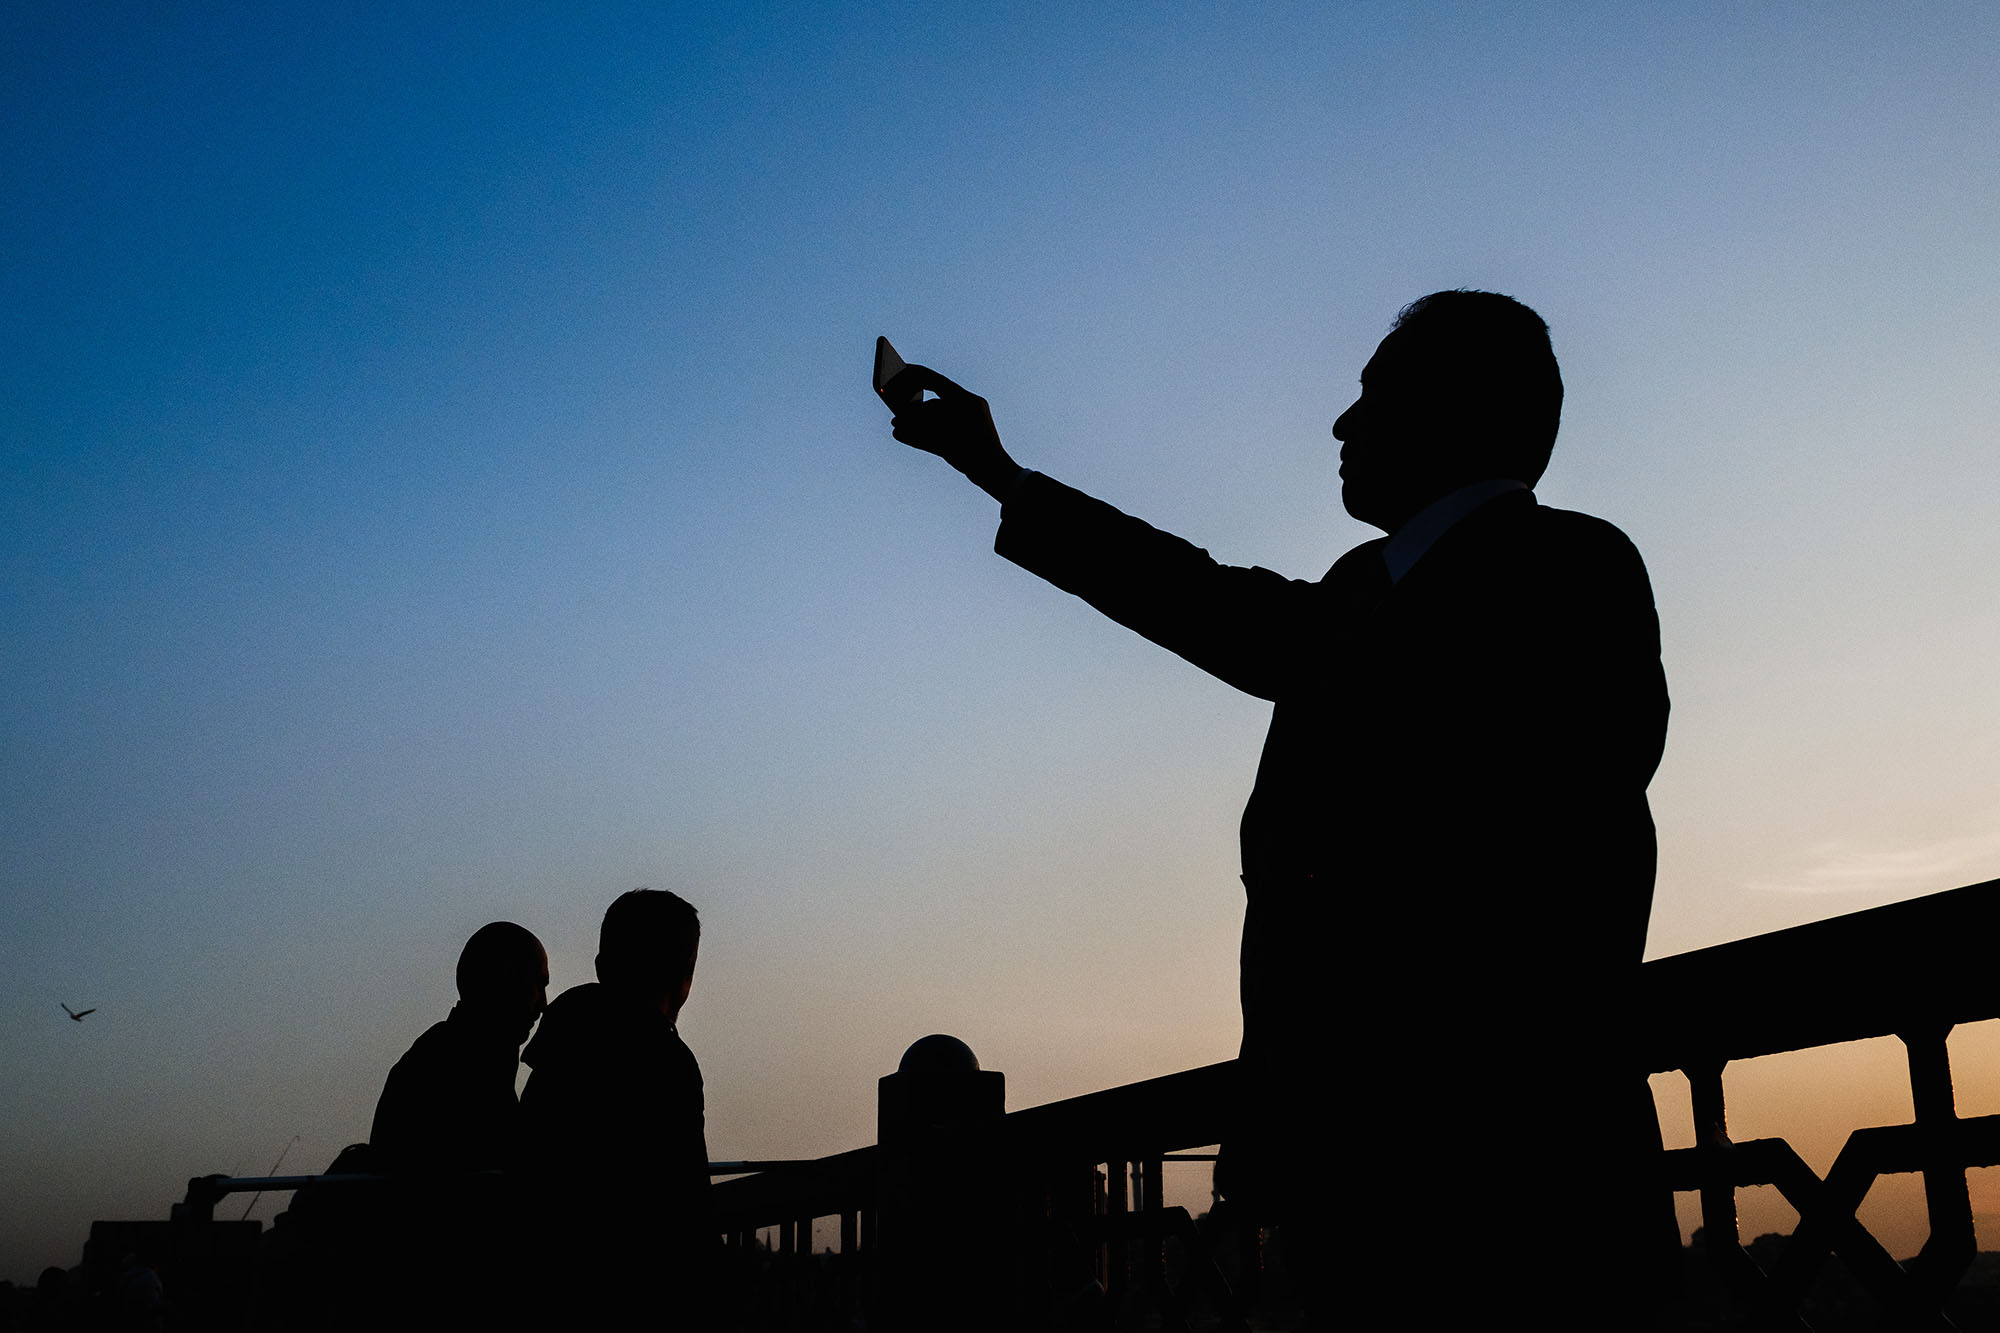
(1845, 866)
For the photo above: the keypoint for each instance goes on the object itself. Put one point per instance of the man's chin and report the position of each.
(1359, 506)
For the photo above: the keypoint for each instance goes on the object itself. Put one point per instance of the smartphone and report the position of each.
(887, 366)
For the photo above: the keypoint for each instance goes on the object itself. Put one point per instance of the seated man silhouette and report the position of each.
(1447, 853)
(614, 1137)
(449, 1104)
(437, 1245)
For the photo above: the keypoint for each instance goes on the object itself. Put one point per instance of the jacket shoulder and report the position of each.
(1574, 525)
(1541, 533)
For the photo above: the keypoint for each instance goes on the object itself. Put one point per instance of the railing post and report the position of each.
(1951, 1246)
(944, 1256)
(848, 1287)
(1718, 1184)
(1119, 1251)
(785, 1271)
(1154, 1230)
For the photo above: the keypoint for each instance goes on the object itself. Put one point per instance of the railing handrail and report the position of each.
(221, 1185)
(818, 1187)
(1133, 1120)
(1924, 964)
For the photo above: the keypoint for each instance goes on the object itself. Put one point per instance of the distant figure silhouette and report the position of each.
(77, 1015)
(449, 1104)
(615, 1141)
(1447, 854)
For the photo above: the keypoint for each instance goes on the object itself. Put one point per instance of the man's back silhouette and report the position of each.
(448, 1105)
(1447, 854)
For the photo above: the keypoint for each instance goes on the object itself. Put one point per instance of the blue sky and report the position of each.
(439, 483)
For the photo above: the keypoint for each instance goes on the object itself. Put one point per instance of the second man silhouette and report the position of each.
(616, 1148)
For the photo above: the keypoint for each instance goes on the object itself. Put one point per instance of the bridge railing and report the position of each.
(940, 1205)
(918, 1224)
(1912, 970)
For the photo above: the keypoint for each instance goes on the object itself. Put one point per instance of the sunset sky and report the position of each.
(439, 482)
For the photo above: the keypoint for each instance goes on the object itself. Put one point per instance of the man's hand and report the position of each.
(957, 426)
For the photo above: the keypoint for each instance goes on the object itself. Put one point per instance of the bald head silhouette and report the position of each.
(503, 975)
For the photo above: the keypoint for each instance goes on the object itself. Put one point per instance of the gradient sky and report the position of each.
(441, 483)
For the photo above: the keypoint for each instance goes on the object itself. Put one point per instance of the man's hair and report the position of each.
(648, 940)
(1495, 366)
(498, 957)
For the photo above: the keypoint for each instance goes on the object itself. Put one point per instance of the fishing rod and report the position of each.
(272, 1172)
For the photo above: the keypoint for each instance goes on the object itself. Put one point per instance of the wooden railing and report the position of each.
(1912, 970)
(939, 1207)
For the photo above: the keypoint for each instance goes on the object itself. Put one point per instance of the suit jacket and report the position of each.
(1448, 842)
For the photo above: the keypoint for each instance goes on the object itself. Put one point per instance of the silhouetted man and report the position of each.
(437, 1247)
(449, 1104)
(1447, 853)
(615, 1138)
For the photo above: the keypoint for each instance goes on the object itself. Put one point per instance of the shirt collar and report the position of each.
(1409, 542)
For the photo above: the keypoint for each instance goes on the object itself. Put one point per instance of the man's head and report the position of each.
(1465, 388)
(503, 971)
(647, 946)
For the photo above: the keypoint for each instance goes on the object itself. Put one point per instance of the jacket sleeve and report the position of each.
(1252, 628)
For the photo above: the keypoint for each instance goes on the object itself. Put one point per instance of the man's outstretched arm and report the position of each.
(1251, 628)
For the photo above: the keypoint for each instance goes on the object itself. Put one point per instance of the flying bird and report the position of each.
(74, 1016)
